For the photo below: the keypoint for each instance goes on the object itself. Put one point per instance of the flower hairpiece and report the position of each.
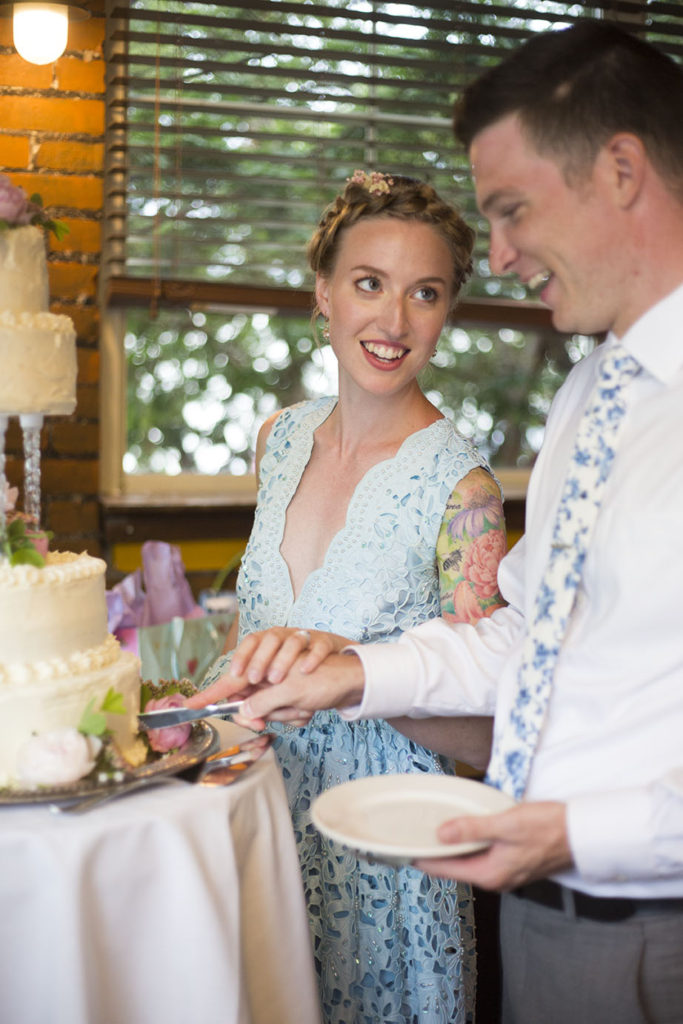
(375, 182)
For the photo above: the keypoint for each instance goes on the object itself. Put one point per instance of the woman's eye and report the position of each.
(427, 293)
(369, 284)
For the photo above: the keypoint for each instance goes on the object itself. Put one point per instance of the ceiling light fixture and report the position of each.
(40, 30)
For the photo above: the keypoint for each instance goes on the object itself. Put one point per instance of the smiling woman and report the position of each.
(374, 514)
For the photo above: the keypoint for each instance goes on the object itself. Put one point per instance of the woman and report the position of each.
(373, 515)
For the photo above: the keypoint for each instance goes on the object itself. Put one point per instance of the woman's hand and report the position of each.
(267, 656)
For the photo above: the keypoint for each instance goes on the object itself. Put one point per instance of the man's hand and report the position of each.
(527, 842)
(337, 683)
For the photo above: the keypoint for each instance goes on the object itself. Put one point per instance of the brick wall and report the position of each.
(52, 142)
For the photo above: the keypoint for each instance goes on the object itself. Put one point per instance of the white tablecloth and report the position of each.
(178, 905)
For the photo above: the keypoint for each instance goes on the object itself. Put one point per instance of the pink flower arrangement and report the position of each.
(17, 210)
(174, 736)
(481, 563)
(10, 496)
(20, 540)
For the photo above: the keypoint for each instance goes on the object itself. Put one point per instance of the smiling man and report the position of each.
(576, 144)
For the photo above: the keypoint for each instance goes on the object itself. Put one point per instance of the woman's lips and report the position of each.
(385, 355)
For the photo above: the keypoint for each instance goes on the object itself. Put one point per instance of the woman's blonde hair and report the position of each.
(391, 195)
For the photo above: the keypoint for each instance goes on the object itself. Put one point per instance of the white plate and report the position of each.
(395, 817)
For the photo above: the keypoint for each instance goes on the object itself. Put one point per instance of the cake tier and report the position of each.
(52, 617)
(38, 363)
(42, 705)
(23, 270)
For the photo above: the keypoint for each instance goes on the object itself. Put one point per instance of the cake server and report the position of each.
(164, 717)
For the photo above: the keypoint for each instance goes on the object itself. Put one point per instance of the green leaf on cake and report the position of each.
(92, 723)
(27, 556)
(18, 546)
(59, 229)
(113, 703)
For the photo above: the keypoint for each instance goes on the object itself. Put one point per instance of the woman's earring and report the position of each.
(326, 329)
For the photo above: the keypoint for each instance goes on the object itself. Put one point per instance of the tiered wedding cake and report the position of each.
(38, 348)
(56, 655)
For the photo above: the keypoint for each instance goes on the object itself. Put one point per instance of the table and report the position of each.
(175, 905)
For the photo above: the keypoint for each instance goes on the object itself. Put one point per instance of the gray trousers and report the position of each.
(560, 969)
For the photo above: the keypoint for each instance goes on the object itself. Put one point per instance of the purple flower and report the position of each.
(14, 205)
(479, 506)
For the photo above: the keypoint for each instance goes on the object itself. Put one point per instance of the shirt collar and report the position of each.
(656, 339)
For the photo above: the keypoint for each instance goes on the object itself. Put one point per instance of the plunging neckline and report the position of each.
(356, 495)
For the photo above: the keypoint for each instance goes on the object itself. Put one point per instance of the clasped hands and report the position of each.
(272, 670)
(286, 674)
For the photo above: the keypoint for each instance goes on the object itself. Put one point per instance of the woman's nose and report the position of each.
(393, 318)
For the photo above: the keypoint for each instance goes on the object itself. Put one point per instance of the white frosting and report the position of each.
(53, 613)
(38, 364)
(23, 270)
(41, 706)
(56, 654)
(37, 348)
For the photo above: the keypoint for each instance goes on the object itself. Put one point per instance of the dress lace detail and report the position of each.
(390, 945)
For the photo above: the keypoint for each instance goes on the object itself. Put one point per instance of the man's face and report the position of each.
(553, 236)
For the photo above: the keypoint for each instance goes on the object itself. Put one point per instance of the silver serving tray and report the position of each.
(202, 743)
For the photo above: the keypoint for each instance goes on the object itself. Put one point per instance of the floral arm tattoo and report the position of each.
(471, 543)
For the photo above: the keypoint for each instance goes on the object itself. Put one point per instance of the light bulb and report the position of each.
(40, 31)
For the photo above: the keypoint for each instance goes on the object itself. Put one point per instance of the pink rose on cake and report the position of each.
(57, 758)
(174, 736)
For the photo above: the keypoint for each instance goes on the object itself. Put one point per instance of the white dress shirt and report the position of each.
(612, 743)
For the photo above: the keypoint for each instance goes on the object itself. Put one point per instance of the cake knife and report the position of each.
(163, 717)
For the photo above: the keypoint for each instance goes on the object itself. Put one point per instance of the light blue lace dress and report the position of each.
(390, 945)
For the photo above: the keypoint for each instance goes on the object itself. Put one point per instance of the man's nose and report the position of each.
(502, 254)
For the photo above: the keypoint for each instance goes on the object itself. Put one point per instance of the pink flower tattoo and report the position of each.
(481, 563)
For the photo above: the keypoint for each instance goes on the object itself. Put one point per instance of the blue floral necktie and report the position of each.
(590, 465)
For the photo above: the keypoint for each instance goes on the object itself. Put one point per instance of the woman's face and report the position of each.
(387, 300)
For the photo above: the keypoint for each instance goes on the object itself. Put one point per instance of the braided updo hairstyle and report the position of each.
(404, 198)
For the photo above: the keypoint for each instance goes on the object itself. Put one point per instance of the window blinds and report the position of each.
(230, 127)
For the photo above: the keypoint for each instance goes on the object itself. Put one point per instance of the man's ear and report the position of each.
(625, 161)
(322, 294)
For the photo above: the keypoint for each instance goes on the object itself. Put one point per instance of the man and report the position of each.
(576, 146)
